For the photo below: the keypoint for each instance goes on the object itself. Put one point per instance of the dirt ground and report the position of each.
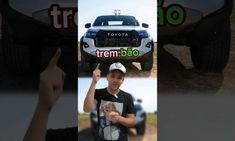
(84, 133)
(177, 75)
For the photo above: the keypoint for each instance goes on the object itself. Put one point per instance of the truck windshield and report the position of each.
(116, 21)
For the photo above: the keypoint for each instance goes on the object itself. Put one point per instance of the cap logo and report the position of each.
(118, 65)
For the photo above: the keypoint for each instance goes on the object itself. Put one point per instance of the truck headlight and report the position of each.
(90, 34)
(143, 34)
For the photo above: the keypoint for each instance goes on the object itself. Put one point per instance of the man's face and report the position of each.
(115, 79)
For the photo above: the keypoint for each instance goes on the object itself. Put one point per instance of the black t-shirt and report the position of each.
(66, 134)
(122, 105)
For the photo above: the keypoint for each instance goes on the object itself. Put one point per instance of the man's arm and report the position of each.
(90, 102)
(128, 121)
(50, 89)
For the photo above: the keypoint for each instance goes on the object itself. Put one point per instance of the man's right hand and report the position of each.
(89, 102)
(96, 74)
(50, 89)
(51, 83)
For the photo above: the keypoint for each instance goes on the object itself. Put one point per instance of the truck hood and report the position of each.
(38, 10)
(114, 28)
(205, 7)
(28, 7)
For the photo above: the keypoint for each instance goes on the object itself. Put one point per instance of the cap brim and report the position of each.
(118, 70)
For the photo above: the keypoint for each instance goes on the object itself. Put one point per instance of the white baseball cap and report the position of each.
(117, 66)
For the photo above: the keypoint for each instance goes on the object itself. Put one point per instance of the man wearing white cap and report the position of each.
(115, 108)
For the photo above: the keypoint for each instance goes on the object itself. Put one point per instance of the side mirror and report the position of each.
(88, 25)
(145, 25)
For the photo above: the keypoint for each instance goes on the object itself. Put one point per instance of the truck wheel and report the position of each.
(212, 56)
(86, 66)
(140, 130)
(17, 57)
(147, 64)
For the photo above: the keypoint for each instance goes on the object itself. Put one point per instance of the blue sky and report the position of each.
(141, 88)
(145, 11)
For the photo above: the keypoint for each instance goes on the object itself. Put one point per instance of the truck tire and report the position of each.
(213, 54)
(17, 57)
(147, 64)
(140, 130)
(86, 66)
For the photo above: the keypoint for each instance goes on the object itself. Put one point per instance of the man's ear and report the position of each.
(123, 79)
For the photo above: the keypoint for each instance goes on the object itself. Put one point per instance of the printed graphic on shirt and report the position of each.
(109, 129)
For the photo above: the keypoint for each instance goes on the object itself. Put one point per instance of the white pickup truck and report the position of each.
(116, 38)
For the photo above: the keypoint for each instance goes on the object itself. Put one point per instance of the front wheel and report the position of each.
(147, 64)
(140, 130)
(213, 54)
(87, 66)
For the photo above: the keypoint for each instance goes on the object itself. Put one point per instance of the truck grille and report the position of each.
(117, 39)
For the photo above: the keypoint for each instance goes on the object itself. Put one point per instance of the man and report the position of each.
(115, 108)
(50, 89)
